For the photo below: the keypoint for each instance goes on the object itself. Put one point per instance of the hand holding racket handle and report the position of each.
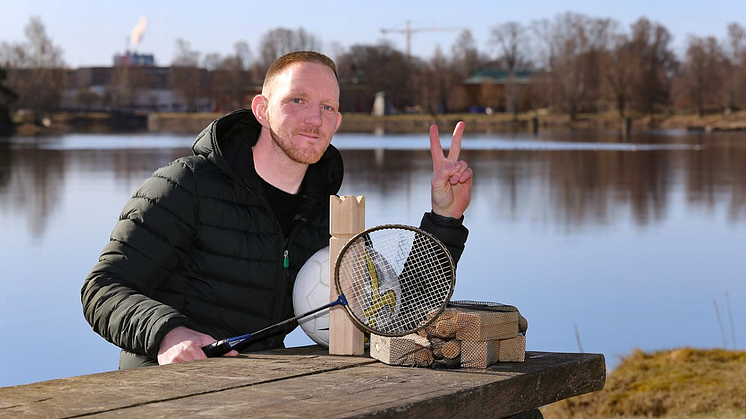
(224, 346)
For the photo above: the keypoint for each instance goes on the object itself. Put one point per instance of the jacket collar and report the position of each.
(228, 140)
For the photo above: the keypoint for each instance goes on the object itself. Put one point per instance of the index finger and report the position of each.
(435, 149)
(458, 134)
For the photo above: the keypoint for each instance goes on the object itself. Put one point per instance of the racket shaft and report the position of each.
(224, 346)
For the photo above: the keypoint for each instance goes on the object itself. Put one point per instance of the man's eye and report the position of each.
(296, 100)
(328, 108)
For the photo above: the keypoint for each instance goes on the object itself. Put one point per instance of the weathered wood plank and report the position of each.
(119, 389)
(306, 385)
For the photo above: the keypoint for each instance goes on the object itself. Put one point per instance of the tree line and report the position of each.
(576, 63)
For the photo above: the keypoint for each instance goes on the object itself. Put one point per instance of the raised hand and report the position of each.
(452, 178)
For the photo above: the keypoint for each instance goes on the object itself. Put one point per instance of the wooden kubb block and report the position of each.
(489, 337)
(482, 354)
(512, 350)
(346, 218)
(347, 215)
(477, 325)
(444, 326)
(479, 354)
(412, 350)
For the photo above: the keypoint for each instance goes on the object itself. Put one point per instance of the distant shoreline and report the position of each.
(193, 123)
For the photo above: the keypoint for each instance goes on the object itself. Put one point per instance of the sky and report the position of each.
(91, 32)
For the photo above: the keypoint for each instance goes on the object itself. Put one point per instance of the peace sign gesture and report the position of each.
(452, 178)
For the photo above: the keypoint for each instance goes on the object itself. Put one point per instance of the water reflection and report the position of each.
(567, 226)
(33, 180)
(577, 188)
(569, 188)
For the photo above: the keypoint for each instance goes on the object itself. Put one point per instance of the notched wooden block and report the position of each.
(477, 325)
(346, 215)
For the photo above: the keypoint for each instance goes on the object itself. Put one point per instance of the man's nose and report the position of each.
(313, 117)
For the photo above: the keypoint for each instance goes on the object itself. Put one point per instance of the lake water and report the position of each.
(604, 244)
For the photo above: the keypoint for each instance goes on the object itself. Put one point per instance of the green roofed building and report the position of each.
(505, 91)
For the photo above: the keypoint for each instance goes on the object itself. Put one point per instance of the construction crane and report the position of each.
(409, 30)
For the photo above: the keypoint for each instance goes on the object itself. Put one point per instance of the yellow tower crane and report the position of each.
(409, 30)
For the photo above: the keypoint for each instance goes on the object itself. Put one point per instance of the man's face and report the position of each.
(303, 110)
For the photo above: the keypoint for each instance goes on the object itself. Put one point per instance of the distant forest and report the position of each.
(570, 64)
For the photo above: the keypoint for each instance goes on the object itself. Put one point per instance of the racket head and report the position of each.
(396, 278)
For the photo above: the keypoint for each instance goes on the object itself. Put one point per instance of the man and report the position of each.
(210, 245)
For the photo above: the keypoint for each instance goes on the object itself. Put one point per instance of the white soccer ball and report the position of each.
(311, 291)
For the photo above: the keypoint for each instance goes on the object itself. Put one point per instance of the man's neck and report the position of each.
(276, 168)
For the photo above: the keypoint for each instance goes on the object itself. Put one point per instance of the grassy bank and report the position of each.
(479, 123)
(523, 122)
(680, 383)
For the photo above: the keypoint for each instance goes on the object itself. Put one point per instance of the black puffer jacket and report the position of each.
(197, 246)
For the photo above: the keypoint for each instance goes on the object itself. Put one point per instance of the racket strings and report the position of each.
(394, 278)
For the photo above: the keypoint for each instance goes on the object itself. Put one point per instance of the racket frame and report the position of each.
(352, 241)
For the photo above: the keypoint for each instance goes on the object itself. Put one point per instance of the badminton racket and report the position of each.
(392, 280)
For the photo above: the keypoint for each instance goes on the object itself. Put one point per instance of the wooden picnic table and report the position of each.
(307, 382)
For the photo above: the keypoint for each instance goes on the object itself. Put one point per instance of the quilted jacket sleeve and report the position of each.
(154, 232)
(453, 237)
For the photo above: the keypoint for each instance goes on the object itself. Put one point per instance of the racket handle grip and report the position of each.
(218, 348)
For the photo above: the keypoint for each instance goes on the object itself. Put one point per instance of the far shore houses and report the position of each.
(135, 83)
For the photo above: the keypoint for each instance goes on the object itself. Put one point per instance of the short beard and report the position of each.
(296, 155)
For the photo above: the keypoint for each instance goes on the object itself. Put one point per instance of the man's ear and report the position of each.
(260, 108)
(339, 120)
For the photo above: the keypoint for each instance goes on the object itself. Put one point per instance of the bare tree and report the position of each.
(702, 74)
(541, 41)
(512, 42)
(243, 53)
(187, 78)
(280, 41)
(651, 42)
(185, 56)
(366, 70)
(35, 70)
(618, 68)
(735, 78)
(439, 81)
(211, 61)
(232, 82)
(7, 96)
(465, 61)
(574, 45)
(465, 56)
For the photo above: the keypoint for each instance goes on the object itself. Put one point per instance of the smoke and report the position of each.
(138, 31)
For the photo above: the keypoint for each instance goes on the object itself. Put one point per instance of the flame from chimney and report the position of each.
(139, 31)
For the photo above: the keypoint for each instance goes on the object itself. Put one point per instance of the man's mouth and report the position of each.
(309, 134)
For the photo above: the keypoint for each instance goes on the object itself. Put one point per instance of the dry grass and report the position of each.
(681, 383)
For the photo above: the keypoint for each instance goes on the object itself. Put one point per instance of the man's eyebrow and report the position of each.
(305, 93)
(297, 92)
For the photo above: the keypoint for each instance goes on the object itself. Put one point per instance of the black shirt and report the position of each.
(284, 205)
